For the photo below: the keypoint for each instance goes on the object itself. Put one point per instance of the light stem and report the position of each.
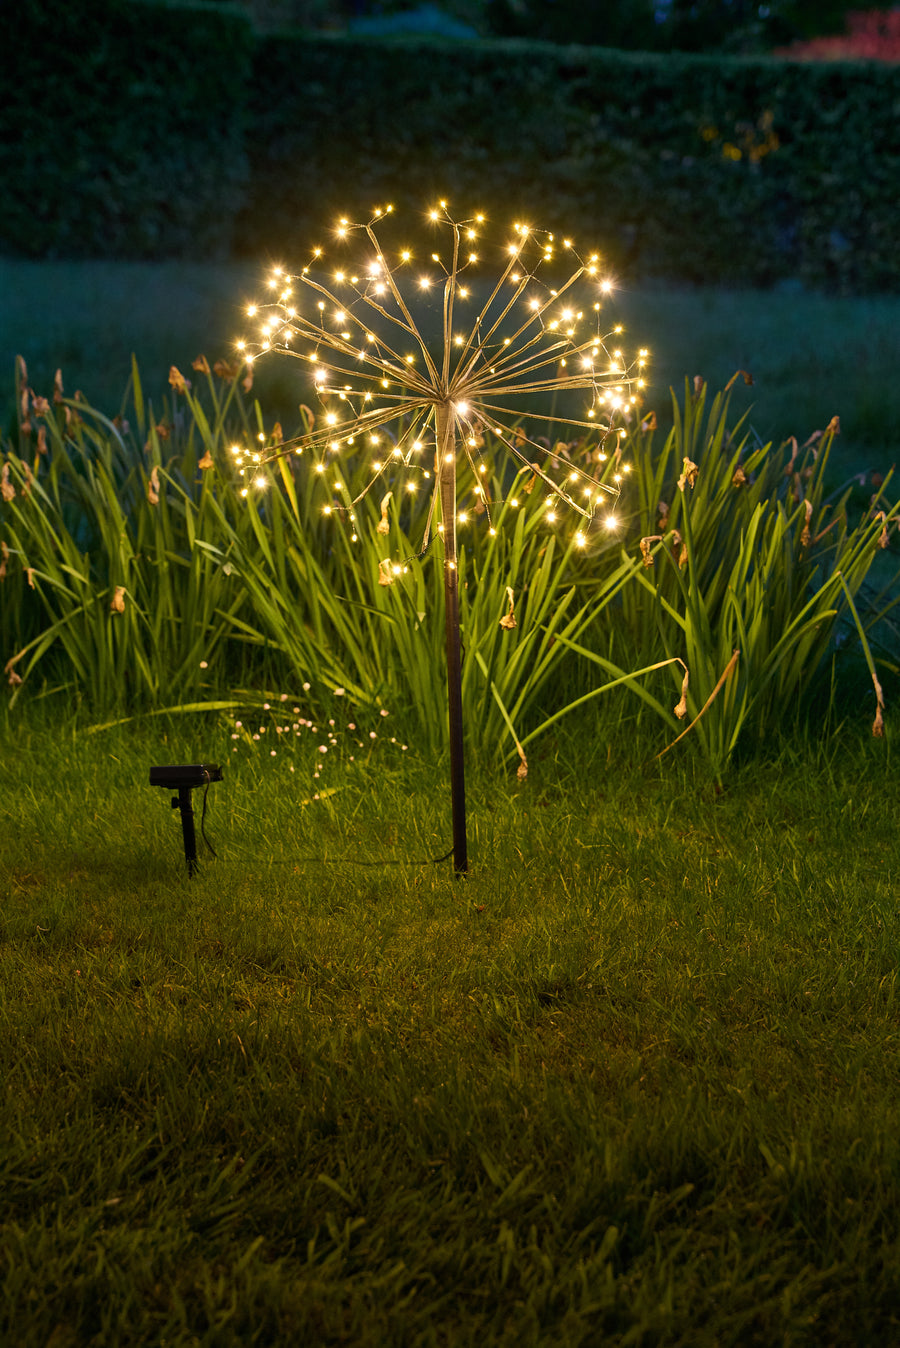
(446, 447)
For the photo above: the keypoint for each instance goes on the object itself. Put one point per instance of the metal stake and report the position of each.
(446, 450)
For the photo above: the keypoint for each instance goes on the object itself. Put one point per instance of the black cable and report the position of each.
(319, 861)
(340, 861)
(203, 815)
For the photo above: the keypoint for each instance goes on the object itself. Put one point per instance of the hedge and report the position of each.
(698, 167)
(695, 167)
(121, 129)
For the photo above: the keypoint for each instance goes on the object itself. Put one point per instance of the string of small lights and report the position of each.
(361, 316)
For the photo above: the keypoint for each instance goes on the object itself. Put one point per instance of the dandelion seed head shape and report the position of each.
(361, 316)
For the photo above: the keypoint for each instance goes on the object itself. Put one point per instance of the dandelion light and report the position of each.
(434, 343)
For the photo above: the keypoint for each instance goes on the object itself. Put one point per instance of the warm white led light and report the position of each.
(453, 391)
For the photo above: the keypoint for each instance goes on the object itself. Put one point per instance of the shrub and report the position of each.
(712, 170)
(702, 168)
(136, 573)
(121, 129)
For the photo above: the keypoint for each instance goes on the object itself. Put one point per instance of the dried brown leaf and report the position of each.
(681, 706)
(646, 553)
(878, 723)
(509, 618)
(688, 474)
(383, 526)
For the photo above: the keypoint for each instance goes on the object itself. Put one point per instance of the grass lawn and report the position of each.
(635, 1081)
(811, 355)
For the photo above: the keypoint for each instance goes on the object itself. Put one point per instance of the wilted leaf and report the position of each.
(177, 380)
(878, 725)
(646, 553)
(681, 706)
(688, 474)
(748, 379)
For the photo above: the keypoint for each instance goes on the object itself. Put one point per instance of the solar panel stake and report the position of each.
(183, 777)
(183, 803)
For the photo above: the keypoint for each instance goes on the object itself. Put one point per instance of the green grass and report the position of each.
(811, 355)
(632, 1082)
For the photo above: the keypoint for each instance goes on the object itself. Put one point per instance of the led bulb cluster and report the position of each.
(396, 337)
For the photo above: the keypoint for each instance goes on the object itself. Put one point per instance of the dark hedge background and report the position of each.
(142, 130)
